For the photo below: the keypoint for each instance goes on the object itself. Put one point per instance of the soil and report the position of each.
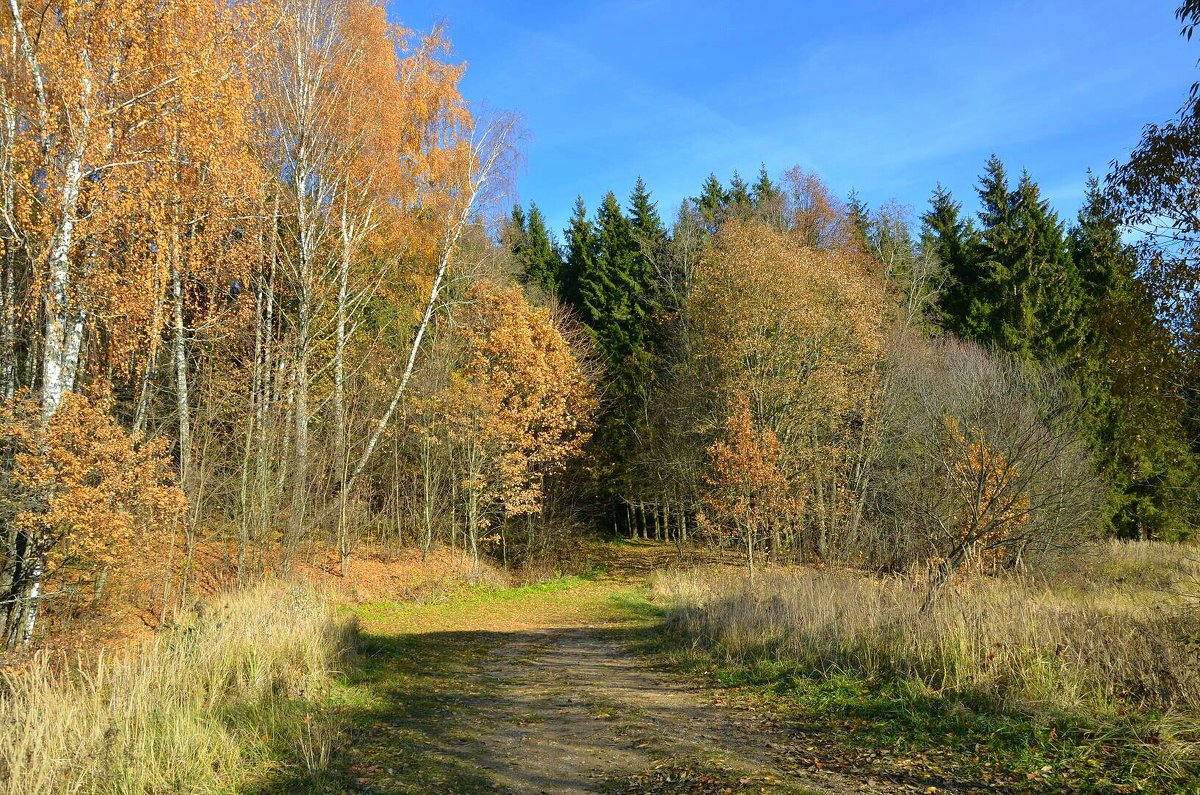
(549, 692)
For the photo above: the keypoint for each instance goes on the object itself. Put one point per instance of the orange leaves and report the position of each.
(745, 464)
(86, 490)
(125, 113)
(992, 508)
(745, 486)
(799, 331)
(796, 328)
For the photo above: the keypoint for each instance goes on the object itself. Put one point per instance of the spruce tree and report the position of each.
(515, 234)
(1105, 265)
(643, 215)
(739, 202)
(764, 190)
(650, 259)
(991, 303)
(581, 258)
(650, 241)
(614, 291)
(768, 200)
(1050, 327)
(712, 203)
(1128, 361)
(951, 238)
(858, 216)
(541, 259)
(612, 300)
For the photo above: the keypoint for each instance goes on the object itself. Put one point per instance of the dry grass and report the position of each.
(201, 708)
(1110, 636)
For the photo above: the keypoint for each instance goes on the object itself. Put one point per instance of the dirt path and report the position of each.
(543, 691)
(577, 713)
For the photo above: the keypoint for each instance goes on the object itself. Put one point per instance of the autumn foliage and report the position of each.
(88, 495)
(798, 332)
(265, 232)
(993, 509)
(238, 220)
(747, 492)
(520, 407)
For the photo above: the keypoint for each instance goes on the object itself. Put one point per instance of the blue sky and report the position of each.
(887, 98)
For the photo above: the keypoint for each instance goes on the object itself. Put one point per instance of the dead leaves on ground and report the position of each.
(700, 778)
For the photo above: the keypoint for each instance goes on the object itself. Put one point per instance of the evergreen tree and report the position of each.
(650, 240)
(768, 200)
(541, 261)
(1105, 265)
(739, 202)
(581, 257)
(992, 307)
(764, 190)
(1051, 329)
(1013, 284)
(950, 238)
(858, 217)
(650, 261)
(643, 215)
(612, 288)
(712, 203)
(1128, 363)
(516, 234)
(613, 293)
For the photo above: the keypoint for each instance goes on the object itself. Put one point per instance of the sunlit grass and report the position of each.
(1075, 677)
(234, 699)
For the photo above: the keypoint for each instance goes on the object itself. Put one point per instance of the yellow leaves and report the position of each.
(152, 103)
(799, 330)
(991, 509)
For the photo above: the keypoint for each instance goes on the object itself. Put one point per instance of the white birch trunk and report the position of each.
(182, 399)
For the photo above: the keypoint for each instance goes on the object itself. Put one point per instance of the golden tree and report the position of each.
(521, 407)
(82, 494)
(116, 116)
(800, 332)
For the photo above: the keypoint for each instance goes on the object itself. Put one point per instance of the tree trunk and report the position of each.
(182, 401)
(427, 494)
(62, 332)
(300, 436)
(750, 553)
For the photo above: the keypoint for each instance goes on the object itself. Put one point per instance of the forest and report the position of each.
(268, 303)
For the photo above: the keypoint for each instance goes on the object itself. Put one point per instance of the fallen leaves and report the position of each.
(701, 778)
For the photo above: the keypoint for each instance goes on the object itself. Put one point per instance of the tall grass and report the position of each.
(1019, 642)
(203, 708)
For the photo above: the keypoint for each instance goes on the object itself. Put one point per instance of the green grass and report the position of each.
(901, 730)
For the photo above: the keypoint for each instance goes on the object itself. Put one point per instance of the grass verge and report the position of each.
(1005, 685)
(233, 700)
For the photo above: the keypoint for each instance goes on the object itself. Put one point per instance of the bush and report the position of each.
(979, 462)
